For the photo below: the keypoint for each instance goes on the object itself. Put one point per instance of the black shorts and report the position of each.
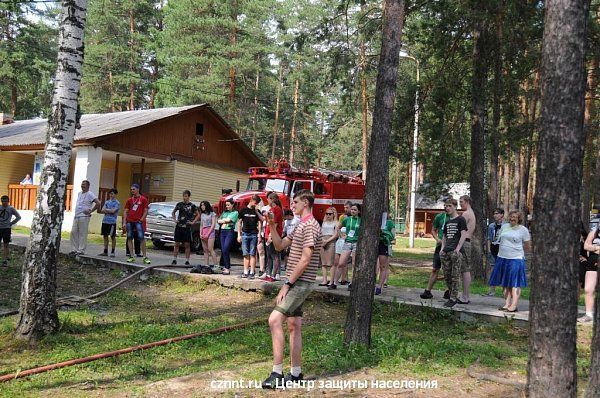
(109, 230)
(383, 249)
(183, 235)
(585, 266)
(437, 261)
(5, 235)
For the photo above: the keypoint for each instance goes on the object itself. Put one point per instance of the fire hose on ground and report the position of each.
(63, 300)
(46, 368)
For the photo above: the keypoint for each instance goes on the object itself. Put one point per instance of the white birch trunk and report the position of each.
(37, 314)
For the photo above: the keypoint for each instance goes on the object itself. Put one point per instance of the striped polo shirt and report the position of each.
(306, 234)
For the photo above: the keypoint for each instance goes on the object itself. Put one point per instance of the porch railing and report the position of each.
(22, 197)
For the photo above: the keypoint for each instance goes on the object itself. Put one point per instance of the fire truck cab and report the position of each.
(330, 188)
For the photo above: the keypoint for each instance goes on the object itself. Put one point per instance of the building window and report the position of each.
(199, 129)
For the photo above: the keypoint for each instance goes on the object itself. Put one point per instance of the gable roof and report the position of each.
(33, 132)
(456, 190)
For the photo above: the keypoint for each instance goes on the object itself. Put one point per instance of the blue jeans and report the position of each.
(249, 242)
(139, 230)
(227, 236)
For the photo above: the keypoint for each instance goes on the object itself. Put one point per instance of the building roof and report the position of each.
(456, 190)
(33, 132)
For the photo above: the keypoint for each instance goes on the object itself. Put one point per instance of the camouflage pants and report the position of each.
(453, 264)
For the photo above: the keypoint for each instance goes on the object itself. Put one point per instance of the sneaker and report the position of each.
(332, 287)
(447, 295)
(450, 303)
(261, 274)
(291, 378)
(273, 381)
(385, 285)
(251, 275)
(585, 319)
(112, 254)
(146, 260)
(104, 254)
(195, 270)
(268, 279)
(187, 263)
(139, 255)
(244, 276)
(130, 259)
(377, 291)
(174, 262)
(426, 295)
(277, 277)
(459, 301)
(344, 283)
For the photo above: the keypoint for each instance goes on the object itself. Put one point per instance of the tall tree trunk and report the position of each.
(293, 129)
(591, 133)
(532, 120)
(497, 98)
(276, 123)
(552, 368)
(516, 177)
(37, 313)
(396, 188)
(478, 120)
(255, 115)
(232, 56)
(132, 64)
(363, 101)
(360, 307)
(506, 182)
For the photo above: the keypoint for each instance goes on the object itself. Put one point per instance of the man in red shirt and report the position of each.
(273, 255)
(134, 216)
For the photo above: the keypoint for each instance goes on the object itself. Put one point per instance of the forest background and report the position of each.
(296, 79)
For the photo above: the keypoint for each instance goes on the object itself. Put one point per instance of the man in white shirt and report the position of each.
(87, 203)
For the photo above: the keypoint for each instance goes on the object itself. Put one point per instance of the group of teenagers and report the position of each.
(507, 241)
(507, 244)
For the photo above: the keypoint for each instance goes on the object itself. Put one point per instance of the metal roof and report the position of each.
(33, 132)
(455, 190)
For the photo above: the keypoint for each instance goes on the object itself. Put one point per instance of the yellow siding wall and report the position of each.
(124, 181)
(165, 170)
(13, 167)
(205, 182)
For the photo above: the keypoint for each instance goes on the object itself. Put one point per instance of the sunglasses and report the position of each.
(329, 214)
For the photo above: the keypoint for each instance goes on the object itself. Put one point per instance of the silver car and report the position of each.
(160, 228)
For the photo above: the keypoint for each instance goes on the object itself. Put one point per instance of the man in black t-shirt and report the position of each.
(452, 253)
(494, 243)
(249, 223)
(184, 215)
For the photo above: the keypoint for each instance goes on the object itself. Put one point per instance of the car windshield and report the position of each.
(160, 210)
(271, 184)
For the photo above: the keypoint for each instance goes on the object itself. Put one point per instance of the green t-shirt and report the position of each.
(352, 224)
(438, 223)
(387, 235)
(232, 215)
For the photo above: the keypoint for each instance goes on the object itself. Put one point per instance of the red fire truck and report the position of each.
(330, 188)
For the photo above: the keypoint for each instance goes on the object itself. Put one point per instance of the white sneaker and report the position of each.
(586, 319)
(276, 277)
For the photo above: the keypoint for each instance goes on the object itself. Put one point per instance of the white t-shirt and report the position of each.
(328, 228)
(85, 201)
(511, 241)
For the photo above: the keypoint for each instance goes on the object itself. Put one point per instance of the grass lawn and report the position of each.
(408, 342)
(92, 238)
(423, 250)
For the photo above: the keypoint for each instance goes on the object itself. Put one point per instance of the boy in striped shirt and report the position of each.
(301, 271)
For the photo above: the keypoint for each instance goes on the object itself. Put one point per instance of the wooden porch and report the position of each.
(22, 197)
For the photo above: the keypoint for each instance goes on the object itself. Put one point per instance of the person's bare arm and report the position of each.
(589, 246)
(435, 232)
(463, 238)
(279, 243)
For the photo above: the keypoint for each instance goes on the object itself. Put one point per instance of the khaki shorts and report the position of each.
(468, 257)
(291, 306)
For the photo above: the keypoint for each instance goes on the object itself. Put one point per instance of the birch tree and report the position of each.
(37, 314)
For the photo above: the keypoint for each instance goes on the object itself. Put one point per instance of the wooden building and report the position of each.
(426, 207)
(165, 150)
